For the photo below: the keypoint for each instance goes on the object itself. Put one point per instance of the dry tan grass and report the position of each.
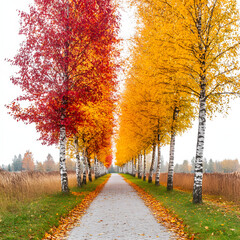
(226, 185)
(25, 186)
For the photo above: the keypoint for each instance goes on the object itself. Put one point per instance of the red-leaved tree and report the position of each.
(62, 67)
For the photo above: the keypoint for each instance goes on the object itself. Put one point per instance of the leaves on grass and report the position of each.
(79, 193)
(163, 215)
(68, 222)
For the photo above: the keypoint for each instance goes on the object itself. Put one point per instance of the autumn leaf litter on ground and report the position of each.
(162, 214)
(72, 219)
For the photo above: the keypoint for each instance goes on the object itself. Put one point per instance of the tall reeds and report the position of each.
(25, 186)
(226, 185)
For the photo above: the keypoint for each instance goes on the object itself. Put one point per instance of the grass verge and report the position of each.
(205, 221)
(32, 220)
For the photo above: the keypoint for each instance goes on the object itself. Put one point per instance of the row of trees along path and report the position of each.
(183, 65)
(183, 60)
(67, 73)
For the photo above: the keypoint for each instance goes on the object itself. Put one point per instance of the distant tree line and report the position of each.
(27, 163)
(225, 166)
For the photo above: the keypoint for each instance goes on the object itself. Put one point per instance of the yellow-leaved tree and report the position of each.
(202, 42)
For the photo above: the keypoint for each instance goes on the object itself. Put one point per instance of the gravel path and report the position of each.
(118, 213)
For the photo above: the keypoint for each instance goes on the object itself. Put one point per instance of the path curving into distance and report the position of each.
(118, 213)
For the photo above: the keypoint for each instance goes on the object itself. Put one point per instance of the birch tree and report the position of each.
(203, 41)
(68, 44)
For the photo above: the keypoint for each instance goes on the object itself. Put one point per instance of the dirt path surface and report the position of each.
(118, 213)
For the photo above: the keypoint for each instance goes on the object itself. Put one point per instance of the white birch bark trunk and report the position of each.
(157, 178)
(85, 167)
(144, 166)
(89, 166)
(62, 160)
(198, 169)
(132, 167)
(95, 167)
(152, 163)
(171, 162)
(100, 169)
(82, 162)
(136, 167)
(90, 170)
(140, 166)
(172, 151)
(78, 164)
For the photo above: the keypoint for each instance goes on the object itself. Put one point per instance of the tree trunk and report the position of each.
(95, 167)
(132, 167)
(152, 163)
(136, 166)
(102, 169)
(62, 160)
(144, 166)
(140, 166)
(89, 171)
(98, 169)
(198, 171)
(172, 150)
(85, 167)
(89, 167)
(78, 164)
(171, 162)
(157, 178)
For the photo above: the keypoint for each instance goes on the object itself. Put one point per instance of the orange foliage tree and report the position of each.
(28, 162)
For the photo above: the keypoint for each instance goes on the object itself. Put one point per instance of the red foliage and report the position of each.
(65, 62)
(108, 161)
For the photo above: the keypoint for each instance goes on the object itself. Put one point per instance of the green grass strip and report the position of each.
(206, 221)
(32, 220)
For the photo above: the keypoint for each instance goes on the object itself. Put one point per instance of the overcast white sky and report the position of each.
(222, 134)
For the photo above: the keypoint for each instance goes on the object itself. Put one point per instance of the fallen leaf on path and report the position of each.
(71, 220)
(162, 214)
